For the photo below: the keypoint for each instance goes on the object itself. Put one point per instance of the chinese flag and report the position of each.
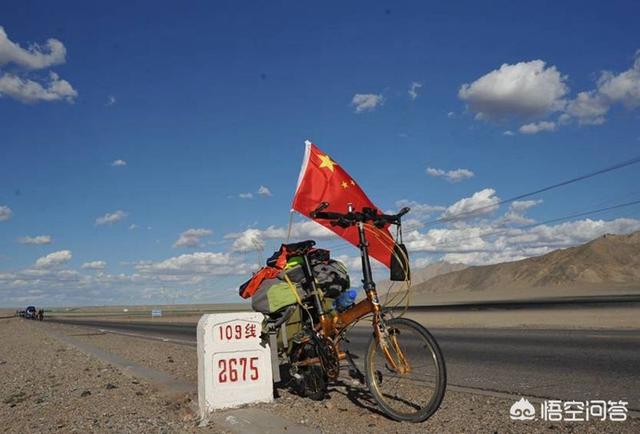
(323, 180)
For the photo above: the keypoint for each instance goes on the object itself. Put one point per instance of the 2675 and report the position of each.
(238, 369)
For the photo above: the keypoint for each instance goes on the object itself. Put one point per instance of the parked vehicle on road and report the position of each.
(30, 312)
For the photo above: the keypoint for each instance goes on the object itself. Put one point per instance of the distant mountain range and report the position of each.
(607, 265)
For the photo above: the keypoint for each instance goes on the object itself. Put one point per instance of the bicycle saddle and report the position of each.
(300, 248)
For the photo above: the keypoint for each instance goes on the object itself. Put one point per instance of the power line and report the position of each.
(505, 231)
(533, 225)
(541, 190)
(343, 245)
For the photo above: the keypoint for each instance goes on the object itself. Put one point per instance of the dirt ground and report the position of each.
(47, 386)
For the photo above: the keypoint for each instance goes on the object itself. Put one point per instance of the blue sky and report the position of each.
(205, 102)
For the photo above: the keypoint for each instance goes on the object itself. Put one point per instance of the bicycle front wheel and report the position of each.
(406, 373)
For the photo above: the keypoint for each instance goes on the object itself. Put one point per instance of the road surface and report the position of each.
(560, 364)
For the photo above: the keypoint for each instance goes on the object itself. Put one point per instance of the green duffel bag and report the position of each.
(273, 295)
(295, 324)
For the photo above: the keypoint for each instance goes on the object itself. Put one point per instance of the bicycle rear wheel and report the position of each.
(409, 381)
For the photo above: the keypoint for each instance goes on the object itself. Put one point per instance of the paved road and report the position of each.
(561, 364)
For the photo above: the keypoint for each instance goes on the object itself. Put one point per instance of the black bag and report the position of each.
(399, 270)
(332, 277)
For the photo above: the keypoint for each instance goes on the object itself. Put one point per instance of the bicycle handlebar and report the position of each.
(353, 217)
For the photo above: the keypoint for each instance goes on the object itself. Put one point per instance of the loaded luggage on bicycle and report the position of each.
(297, 291)
(310, 310)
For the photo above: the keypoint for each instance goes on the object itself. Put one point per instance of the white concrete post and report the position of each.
(234, 365)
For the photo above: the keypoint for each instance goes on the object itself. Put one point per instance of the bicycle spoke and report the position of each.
(413, 389)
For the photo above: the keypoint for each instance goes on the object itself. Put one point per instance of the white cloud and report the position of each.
(435, 172)
(249, 240)
(53, 259)
(485, 241)
(111, 218)
(456, 175)
(118, 163)
(29, 91)
(354, 266)
(196, 276)
(564, 119)
(5, 213)
(37, 240)
(536, 127)
(509, 133)
(309, 229)
(451, 115)
(245, 195)
(523, 205)
(465, 239)
(591, 107)
(413, 90)
(515, 213)
(483, 244)
(532, 90)
(353, 263)
(418, 210)
(133, 226)
(111, 100)
(264, 191)
(459, 174)
(622, 88)
(366, 102)
(480, 203)
(207, 263)
(94, 265)
(520, 244)
(526, 89)
(176, 276)
(35, 56)
(192, 237)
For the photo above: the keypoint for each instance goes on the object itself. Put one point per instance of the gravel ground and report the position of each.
(179, 361)
(61, 375)
(47, 386)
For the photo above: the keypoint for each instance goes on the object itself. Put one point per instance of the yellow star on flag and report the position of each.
(325, 161)
(344, 184)
(353, 182)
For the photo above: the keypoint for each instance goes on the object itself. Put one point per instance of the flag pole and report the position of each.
(290, 226)
(303, 169)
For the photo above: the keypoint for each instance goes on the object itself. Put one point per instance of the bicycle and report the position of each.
(404, 368)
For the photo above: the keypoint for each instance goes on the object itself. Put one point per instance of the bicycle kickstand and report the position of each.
(354, 372)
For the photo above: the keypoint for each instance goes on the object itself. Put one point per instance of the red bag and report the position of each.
(275, 264)
(248, 288)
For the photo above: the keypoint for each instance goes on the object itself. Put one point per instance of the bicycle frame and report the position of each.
(332, 326)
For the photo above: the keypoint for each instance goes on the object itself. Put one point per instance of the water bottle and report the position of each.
(345, 300)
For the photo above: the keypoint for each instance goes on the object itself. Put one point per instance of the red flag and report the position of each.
(323, 180)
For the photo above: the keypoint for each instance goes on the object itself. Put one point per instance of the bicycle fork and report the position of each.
(388, 342)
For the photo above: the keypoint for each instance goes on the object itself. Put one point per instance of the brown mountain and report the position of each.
(430, 271)
(419, 275)
(608, 263)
